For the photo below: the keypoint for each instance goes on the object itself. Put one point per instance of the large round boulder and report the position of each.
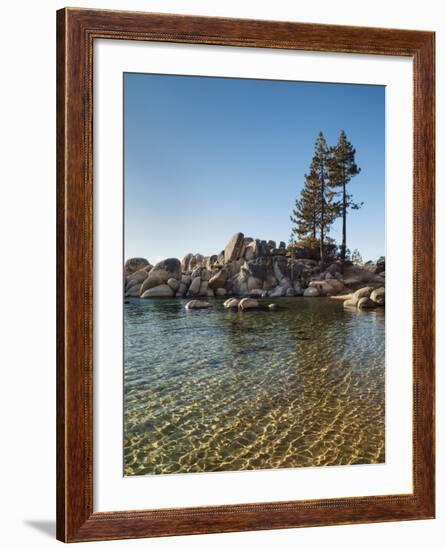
(131, 283)
(169, 266)
(133, 291)
(194, 287)
(138, 276)
(254, 283)
(336, 285)
(335, 267)
(161, 273)
(234, 248)
(219, 279)
(203, 288)
(173, 283)
(185, 262)
(250, 251)
(186, 279)
(362, 293)
(134, 264)
(379, 296)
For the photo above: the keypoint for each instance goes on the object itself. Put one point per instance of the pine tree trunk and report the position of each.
(344, 224)
(321, 252)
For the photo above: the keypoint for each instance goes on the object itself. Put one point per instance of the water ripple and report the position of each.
(217, 390)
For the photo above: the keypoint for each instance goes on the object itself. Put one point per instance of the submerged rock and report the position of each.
(248, 303)
(197, 304)
(230, 303)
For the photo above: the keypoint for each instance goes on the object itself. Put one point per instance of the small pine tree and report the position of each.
(305, 215)
(356, 257)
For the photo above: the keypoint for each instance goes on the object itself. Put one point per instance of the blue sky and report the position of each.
(207, 157)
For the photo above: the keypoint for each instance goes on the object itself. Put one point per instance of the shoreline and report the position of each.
(248, 270)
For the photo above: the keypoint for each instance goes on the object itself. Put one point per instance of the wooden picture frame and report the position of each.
(76, 31)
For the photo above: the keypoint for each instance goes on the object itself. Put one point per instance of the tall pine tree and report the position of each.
(342, 168)
(327, 209)
(315, 210)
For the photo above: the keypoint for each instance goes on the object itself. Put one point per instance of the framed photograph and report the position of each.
(245, 275)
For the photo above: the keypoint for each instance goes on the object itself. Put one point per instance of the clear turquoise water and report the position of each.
(217, 390)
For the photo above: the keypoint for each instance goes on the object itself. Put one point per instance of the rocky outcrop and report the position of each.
(256, 269)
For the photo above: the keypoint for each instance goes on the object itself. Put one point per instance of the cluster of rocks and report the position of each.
(249, 268)
(366, 298)
(231, 303)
